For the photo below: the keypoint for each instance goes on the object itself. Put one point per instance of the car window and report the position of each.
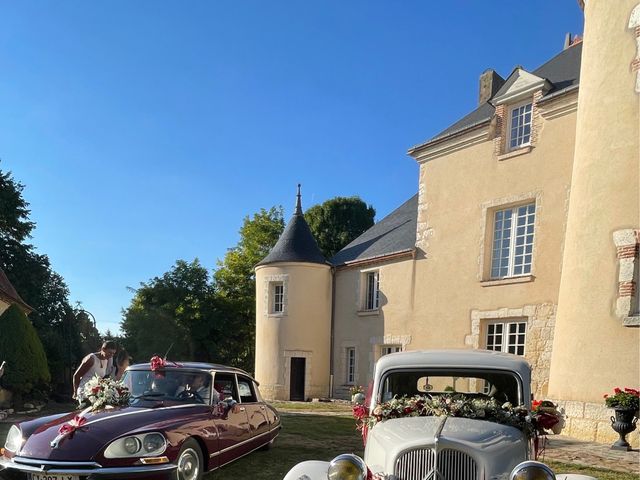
(178, 385)
(225, 385)
(245, 388)
(503, 386)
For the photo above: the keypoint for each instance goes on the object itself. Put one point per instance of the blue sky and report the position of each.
(146, 131)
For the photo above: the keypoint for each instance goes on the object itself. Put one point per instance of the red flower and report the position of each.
(546, 420)
(617, 390)
(535, 405)
(606, 395)
(359, 412)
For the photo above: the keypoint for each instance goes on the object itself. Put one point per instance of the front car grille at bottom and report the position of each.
(422, 464)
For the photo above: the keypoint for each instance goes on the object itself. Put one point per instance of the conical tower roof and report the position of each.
(296, 244)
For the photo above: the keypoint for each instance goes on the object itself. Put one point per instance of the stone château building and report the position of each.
(537, 257)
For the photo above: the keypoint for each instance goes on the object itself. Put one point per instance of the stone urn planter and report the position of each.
(623, 423)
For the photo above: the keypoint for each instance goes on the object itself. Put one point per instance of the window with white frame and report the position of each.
(507, 337)
(351, 365)
(277, 297)
(520, 125)
(512, 250)
(371, 291)
(387, 349)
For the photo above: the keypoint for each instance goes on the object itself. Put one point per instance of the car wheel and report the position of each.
(190, 462)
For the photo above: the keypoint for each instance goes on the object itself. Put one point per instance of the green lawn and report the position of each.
(303, 437)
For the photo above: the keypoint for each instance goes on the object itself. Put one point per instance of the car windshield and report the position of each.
(176, 385)
(503, 386)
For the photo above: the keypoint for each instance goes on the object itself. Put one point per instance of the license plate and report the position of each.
(46, 476)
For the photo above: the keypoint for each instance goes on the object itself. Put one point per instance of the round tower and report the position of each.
(596, 343)
(293, 315)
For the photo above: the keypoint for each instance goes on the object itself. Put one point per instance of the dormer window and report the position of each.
(520, 125)
(515, 104)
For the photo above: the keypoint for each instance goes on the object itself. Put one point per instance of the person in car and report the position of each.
(197, 385)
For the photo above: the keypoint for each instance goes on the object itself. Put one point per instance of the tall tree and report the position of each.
(338, 221)
(177, 308)
(36, 282)
(207, 319)
(14, 211)
(235, 281)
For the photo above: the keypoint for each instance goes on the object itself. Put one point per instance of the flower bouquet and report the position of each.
(102, 393)
(546, 416)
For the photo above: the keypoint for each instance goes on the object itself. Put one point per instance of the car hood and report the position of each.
(99, 430)
(495, 447)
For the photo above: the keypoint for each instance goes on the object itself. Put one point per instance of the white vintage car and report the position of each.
(469, 446)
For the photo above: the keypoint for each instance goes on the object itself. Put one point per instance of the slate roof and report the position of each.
(296, 244)
(563, 71)
(395, 233)
(9, 292)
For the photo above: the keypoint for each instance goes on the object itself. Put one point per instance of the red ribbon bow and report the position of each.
(72, 425)
(157, 363)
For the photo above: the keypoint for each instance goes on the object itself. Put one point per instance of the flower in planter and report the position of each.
(627, 398)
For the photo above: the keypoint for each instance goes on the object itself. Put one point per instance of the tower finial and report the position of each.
(298, 203)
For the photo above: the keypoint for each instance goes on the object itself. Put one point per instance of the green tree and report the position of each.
(21, 348)
(236, 286)
(14, 211)
(38, 285)
(338, 221)
(89, 334)
(177, 308)
(206, 319)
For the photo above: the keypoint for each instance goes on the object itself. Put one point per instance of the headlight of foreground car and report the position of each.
(532, 471)
(347, 467)
(14, 439)
(143, 445)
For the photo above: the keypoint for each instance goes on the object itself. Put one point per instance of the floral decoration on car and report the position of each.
(627, 399)
(98, 394)
(102, 393)
(543, 415)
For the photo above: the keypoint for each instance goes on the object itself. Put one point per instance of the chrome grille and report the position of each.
(415, 464)
(456, 465)
(420, 464)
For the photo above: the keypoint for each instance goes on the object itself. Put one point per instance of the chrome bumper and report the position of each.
(83, 469)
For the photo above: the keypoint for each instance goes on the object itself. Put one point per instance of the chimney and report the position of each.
(490, 83)
(567, 41)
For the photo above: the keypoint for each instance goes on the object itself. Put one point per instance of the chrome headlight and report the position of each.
(347, 467)
(142, 445)
(532, 471)
(14, 440)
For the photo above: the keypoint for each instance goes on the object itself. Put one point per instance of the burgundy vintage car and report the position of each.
(181, 421)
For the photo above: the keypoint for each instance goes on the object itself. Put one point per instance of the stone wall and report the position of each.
(539, 340)
(592, 422)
